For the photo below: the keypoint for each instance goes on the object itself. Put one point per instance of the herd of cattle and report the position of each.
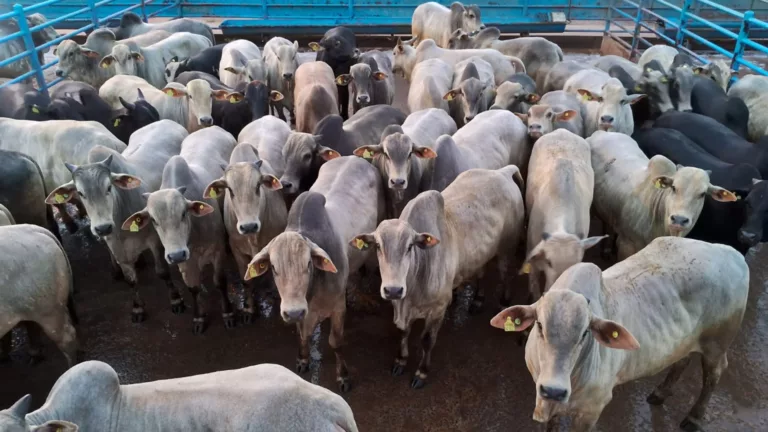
(180, 147)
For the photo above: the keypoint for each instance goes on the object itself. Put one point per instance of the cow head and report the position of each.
(200, 97)
(557, 252)
(360, 78)
(13, 420)
(471, 97)
(542, 119)
(613, 99)
(682, 86)
(125, 61)
(287, 63)
(75, 62)
(513, 97)
(655, 83)
(405, 59)
(300, 153)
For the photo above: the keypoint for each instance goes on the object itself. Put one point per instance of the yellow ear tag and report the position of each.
(615, 334)
(58, 198)
(213, 193)
(104, 65)
(35, 110)
(201, 207)
(232, 99)
(275, 182)
(116, 123)
(586, 97)
(526, 268)
(134, 226)
(449, 97)
(638, 88)
(359, 243)
(169, 92)
(252, 272)
(367, 154)
(658, 183)
(696, 72)
(325, 261)
(509, 326)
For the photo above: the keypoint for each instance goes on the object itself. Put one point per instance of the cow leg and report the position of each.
(137, 311)
(401, 359)
(553, 424)
(428, 339)
(117, 272)
(292, 113)
(60, 330)
(664, 390)
(164, 272)
(249, 288)
(6, 341)
(305, 329)
(280, 112)
(478, 300)
(712, 369)
(336, 340)
(220, 280)
(66, 218)
(34, 342)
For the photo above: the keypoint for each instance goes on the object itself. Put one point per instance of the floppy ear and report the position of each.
(536, 255)
(174, 92)
(663, 182)
(425, 240)
(125, 181)
(587, 95)
(424, 152)
(276, 96)
(137, 56)
(271, 182)
(451, 95)
(720, 194)
(591, 241)
(523, 117)
(363, 241)
(215, 189)
(314, 46)
(91, 54)
(612, 334)
(379, 76)
(343, 79)
(532, 98)
(106, 62)
(258, 265)
(62, 194)
(632, 99)
(234, 69)
(136, 221)
(368, 152)
(321, 260)
(55, 426)
(515, 318)
(199, 208)
(565, 115)
(327, 154)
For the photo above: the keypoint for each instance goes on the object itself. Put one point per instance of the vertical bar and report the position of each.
(264, 12)
(351, 8)
(680, 36)
(181, 8)
(738, 50)
(29, 44)
(525, 7)
(143, 11)
(608, 18)
(94, 13)
(636, 34)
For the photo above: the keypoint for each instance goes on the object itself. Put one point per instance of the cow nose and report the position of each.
(103, 230)
(177, 256)
(606, 119)
(248, 228)
(468, 118)
(294, 315)
(534, 127)
(206, 121)
(679, 220)
(552, 393)
(59, 73)
(397, 182)
(287, 185)
(747, 237)
(287, 76)
(363, 99)
(393, 293)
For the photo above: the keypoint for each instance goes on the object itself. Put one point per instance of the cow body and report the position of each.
(315, 95)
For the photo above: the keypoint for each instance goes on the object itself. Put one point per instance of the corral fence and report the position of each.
(677, 21)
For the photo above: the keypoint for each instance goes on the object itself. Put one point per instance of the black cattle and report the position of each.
(134, 117)
(216, 84)
(737, 224)
(363, 128)
(206, 61)
(717, 139)
(338, 48)
(709, 99)
(22, 191)
(13, 99)
(233, 116)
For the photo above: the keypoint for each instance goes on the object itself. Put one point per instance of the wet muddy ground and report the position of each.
(478, 381)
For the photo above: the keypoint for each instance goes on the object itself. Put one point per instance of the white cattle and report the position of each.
(233, 67)
(268, 136)
(753, 90)
(281, 64)
(431, 80)
(605, 103)
(434, 21)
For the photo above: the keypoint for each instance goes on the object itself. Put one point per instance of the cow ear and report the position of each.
(363, 242)
(276, 96)
(612, 335)
(632, 99)
(219, 94)
(720, 194)
(424, 153)
(314, 46)
(62, 194)
(756, 181)
(137, 56)
(173, 59)
(698, 70)
(343, 79)
(591, 241)
(327, 154)
(235, 97)
(565, 115)
(136, 221)
(91, 54)
(55, 426)
(258, 265)
(586, 95)
(368, 152)
(532, 98)
(663, 182)
(215, 189)
(379, 76)
(321, 260)
(125, 181)
(271, 182)
(199, 208)
(21, 407)
(515, 318)
(174, 92)
(536, 255)
(523, 117)
(106, 62)
(425, 240)
(234, 69)
(451, 95)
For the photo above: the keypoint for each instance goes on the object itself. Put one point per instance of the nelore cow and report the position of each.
(338, 48)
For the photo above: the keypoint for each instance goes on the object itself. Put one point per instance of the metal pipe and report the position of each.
(34, 61)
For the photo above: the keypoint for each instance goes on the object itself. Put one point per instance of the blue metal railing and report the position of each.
(683, 29)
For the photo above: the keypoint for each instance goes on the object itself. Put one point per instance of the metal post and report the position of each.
(143, 11)
(738, 50)
(351, 9)
(94, 13)
(636, 34)
(181, 8)
(680, 36)
(608, 18)
(29, 44)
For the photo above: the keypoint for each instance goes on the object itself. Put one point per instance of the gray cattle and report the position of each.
(149, 62)
(131, 25)
(233, 67)
(557, 76)
(753, 90)
(281, 64)
(597, 330)
(268, 136)
(192, 231)
(315, 95)
(641, 199)
(605, 103)
(370, 81)
(676, 74)
(91, 396)
(23, 192)
(311, 260)
(494, 139)
(440, 241)
(37, 287)
(190, 106)
(716, 70)
(434, 21)
(81, 62)
(664, 54)
(517, 94)
(254, 208)
(111, 185)
(17, 46)
(6, 218)
(362, 128)
(52, 142)
(430, 81)
(402, 156)
(473, 89)
(558, 196)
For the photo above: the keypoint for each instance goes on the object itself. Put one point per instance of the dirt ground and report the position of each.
(478, 381)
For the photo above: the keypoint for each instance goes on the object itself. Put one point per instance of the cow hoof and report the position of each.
(654, 399)
(198, 326)
(417, 383)
(247, 318)
(476, 307)
(302, 366)
(138, 316)
(178, 308)
(229, 320)
(398, 369)
(344, 384)
(690, 425)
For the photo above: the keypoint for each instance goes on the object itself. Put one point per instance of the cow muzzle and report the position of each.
(103, 230)
(292, 316)
(177, 257)
(206, 121)
(363, 100)
(392, 292)
(249, 228)
(60, 73)
(748, 238)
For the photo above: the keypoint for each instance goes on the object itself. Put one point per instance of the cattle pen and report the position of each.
(480, 380)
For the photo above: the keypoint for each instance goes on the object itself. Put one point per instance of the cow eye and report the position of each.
(704, 194)
(549, 115)
(674, 189)
(584, 336)
(410, 247)
(307, 157)
(109, 188)
(338, 43)
(183, 215)
(154, 222)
